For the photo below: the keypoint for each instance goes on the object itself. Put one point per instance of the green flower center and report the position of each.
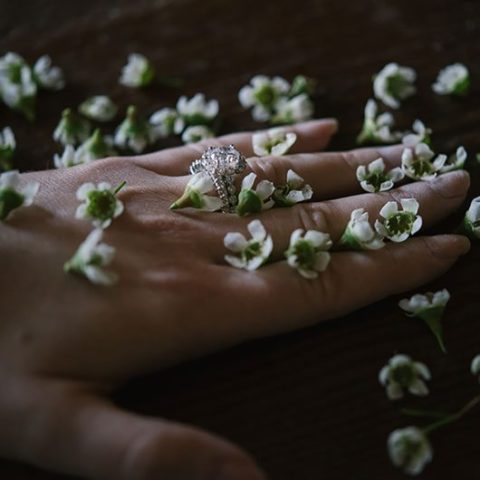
(403, 374)
(376, 179)
(401, 222)
(396, 85)
(305, 253)
(9, 200)
(101, 204)
(422, 167)
(266, 96)
(252, 251)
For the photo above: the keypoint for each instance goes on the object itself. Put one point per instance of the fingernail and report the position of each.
(449, 246)
(451, 185)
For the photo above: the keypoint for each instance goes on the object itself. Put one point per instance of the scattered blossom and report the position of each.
(13, 195)
(166, 122)
(294, 191)
(197, 110)
(48, 76)
(377, 128)
(276, 141)
(90, 258)
(359, 234)
(134, 133)
(409, 449)
(138, 72)
(100, 203)
(418, 163)
(455, 161)
(196, 133)
(293, 110)
(252, 200)
(472, 219)
(373, 177)
(71, 130)
(393, 84)
(249, 254)
(99, 108)
(402, 373)
(452, 80)
(308, 253)
(398, 225)
(7, 148)
(420, 134)
(195, 194)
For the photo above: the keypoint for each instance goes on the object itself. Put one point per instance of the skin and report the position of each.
(65, 349)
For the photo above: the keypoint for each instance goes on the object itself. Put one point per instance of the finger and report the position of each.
(437, 200)
(352, 280)
(311, 136)
(87, 436)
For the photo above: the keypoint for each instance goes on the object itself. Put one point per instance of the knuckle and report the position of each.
(316, 216)
(270, 168)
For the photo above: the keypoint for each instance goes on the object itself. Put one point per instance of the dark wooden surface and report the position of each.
(307, 404)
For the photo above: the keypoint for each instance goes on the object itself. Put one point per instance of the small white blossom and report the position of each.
(47, 75)
(418, 163)
(373, 178)
(294, 191)
(138, 72)
(249, 254)
(377, 128)
(359, 234)
(254, 200)
(90, 258)
(166, 122)
(397, 224)
(394, 83)
(13, 195)
(475, 366)
(455, 161)
(69, 158)
(7, 148)
(409, 449)
(472, 218)
(71, 130)
(195, 194)
(100, 203)
(197, 110)
(99, 108)
(263, 94)
(276, 141)
(134, 133)
(402, 373)
(309, 253)
(293, 110)
(421, 134)
(196, 133)
(452, 80)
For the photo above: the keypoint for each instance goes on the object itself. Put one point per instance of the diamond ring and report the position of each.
(221, 164)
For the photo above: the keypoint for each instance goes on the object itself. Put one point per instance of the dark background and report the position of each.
(307, 404)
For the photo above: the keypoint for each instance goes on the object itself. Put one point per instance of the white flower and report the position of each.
(17, 86)
(472, 218)
(196, 133)
(263, 94)
(377, 128)
(394, 83)
(402, 373)
(69, 158)
(359, 234)
(455, 161)
(430, 308)
(7, 148)
(374, 178)
(166, 122)
(294, 191)
(418, 163)
(254, 201)
(90, 258)
(453, 79)
(293, 110)
(100, 203)
(195, 194)
(475, 365)
(99, 107)
(71, 130)
(421, 135)
(409, 449)
(48, 76)
(250, 254)
(13, 195)
(308, 253)
(397, 224)
(138, 72)
(276, 141)
(197, 110)
(133, 133)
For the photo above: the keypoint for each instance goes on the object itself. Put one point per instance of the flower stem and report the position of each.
(120, 186)
(423, 413)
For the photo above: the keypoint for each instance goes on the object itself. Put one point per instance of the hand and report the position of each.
(66, 344)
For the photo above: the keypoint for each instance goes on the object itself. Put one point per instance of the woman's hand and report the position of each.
(65, 344)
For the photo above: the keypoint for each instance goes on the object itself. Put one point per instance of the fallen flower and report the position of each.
(359, 234)
(138, 72)
(13, 195)
(99, 108)
(71, 130)
(294, 191)
(398, 225)
(7, 148)
(452, 80)
(377, 128)
(254, 201)
(195, 194)
(394, 83)
(373, 178)
(418, 163)
(276, 141)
